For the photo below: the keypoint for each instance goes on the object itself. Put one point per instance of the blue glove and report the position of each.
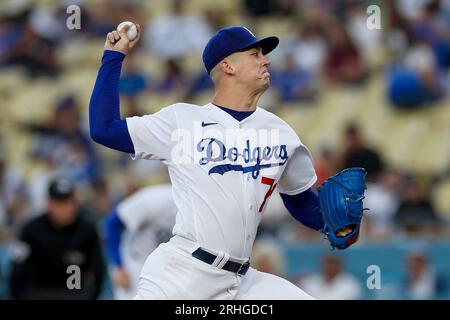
(341, 203)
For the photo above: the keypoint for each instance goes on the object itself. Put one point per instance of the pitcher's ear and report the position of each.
(227, 66)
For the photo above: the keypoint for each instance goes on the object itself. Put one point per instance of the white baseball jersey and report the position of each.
(149, 217)
(223, 171)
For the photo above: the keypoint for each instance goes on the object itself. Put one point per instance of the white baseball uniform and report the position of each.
(148, 216)
(223, 171)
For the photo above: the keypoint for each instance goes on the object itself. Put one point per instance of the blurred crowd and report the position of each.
(327, 46)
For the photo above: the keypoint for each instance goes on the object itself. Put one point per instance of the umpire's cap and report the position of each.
(60, 189)
(229, 40)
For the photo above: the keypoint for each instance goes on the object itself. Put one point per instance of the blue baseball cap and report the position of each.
(231, 39)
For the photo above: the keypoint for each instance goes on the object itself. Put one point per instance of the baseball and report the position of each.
(132, 31)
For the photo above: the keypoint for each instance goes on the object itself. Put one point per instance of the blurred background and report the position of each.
(357, 97)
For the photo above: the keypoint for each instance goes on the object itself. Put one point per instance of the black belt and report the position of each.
(231, 266)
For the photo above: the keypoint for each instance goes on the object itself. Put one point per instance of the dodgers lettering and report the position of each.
(214, 150)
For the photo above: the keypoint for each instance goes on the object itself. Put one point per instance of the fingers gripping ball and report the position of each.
(132, 30)
(341, 203)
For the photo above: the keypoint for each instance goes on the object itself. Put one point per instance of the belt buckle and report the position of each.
(243, 267)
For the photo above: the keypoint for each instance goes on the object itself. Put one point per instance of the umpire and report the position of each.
(53, 241)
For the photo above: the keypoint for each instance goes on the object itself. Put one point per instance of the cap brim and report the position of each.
(61, 197)
(266, 44)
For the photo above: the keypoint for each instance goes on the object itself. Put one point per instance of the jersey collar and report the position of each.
(227, 120)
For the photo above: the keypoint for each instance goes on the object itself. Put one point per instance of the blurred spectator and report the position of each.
(174, 79)
(382, 198)
(411, 9)
(177, 33)
(325, 166)
(44, 171)
(397, 25)
(416, 214)
(445, 11)
(283, 8)
(99, 199)
(51, 243)
(63, 141)
(257, 8)
(419, 39)
(414, 81)
(13, 196)
(292, 82)
(45, 24)
(420, 59)
(202, 82)
(343, 63)
(97, 20)
(358, 154)
(366, 40)
(9, 37)
(215, 18)
(132, 80)
(333, 283)
(432, 29)
(422, 282)
(22, 43)
(309, 47)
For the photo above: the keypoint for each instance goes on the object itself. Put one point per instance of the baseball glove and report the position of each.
(341, 203)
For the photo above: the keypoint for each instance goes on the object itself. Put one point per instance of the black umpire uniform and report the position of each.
(62, 257)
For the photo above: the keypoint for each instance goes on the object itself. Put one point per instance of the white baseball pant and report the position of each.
(171, 272)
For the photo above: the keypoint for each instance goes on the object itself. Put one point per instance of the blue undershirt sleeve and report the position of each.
(114, 228)
(105, 125)
(305, 208)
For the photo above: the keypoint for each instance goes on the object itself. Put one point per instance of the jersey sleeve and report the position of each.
(299, 174)
(151, 134)
(152, 204)
(137, 209)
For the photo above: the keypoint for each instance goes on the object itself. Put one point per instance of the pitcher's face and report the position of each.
(252, 68)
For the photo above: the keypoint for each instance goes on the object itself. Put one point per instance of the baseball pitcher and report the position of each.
(225, 160)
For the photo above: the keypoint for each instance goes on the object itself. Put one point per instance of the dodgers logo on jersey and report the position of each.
(257, 158)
